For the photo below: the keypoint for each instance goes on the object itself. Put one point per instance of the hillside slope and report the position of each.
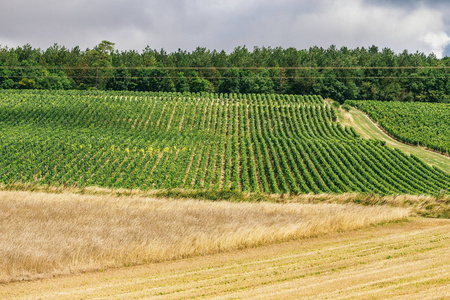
(251, 143)
(425, 124)
(368, 129)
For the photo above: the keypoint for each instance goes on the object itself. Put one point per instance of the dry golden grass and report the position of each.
(45, 234)
(405, 260)
(434, 206)
(420, 205)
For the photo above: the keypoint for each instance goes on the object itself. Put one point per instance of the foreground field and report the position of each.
(399, 261)
(50, 234)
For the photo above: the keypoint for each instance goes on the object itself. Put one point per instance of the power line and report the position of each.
(225, 77)
(225, 68)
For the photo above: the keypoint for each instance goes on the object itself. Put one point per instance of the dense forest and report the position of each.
(340, 74)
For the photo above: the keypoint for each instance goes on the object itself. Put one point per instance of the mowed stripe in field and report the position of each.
(406, 260)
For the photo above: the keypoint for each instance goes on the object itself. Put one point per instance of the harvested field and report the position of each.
(407, 260)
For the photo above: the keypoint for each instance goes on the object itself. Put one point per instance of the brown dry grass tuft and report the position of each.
(420, 205)
(45, 234)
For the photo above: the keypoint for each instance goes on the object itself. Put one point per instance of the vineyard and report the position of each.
(417, 123)
(250, 142)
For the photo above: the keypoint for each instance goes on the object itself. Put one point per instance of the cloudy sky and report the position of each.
(413, 25)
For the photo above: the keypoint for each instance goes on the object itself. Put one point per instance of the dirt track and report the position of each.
(408, 260)
(369, 129)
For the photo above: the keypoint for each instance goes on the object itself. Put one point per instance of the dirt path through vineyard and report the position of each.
(368, 129)
(409, 260)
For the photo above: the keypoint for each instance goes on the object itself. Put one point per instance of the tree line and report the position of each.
(341, 74)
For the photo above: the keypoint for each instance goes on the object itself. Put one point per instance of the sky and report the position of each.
(412, 25)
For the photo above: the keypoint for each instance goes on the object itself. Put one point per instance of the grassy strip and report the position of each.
(429, 206)
(437, 206)
(228, 195)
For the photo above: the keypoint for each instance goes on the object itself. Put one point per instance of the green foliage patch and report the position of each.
(212, 144)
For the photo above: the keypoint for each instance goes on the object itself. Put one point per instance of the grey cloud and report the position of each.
(441, 5)
(409, 3)
(221, 24)
(447, 50)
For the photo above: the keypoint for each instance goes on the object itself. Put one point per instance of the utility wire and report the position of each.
(225, 77)
(87, 68)
(222, 68)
